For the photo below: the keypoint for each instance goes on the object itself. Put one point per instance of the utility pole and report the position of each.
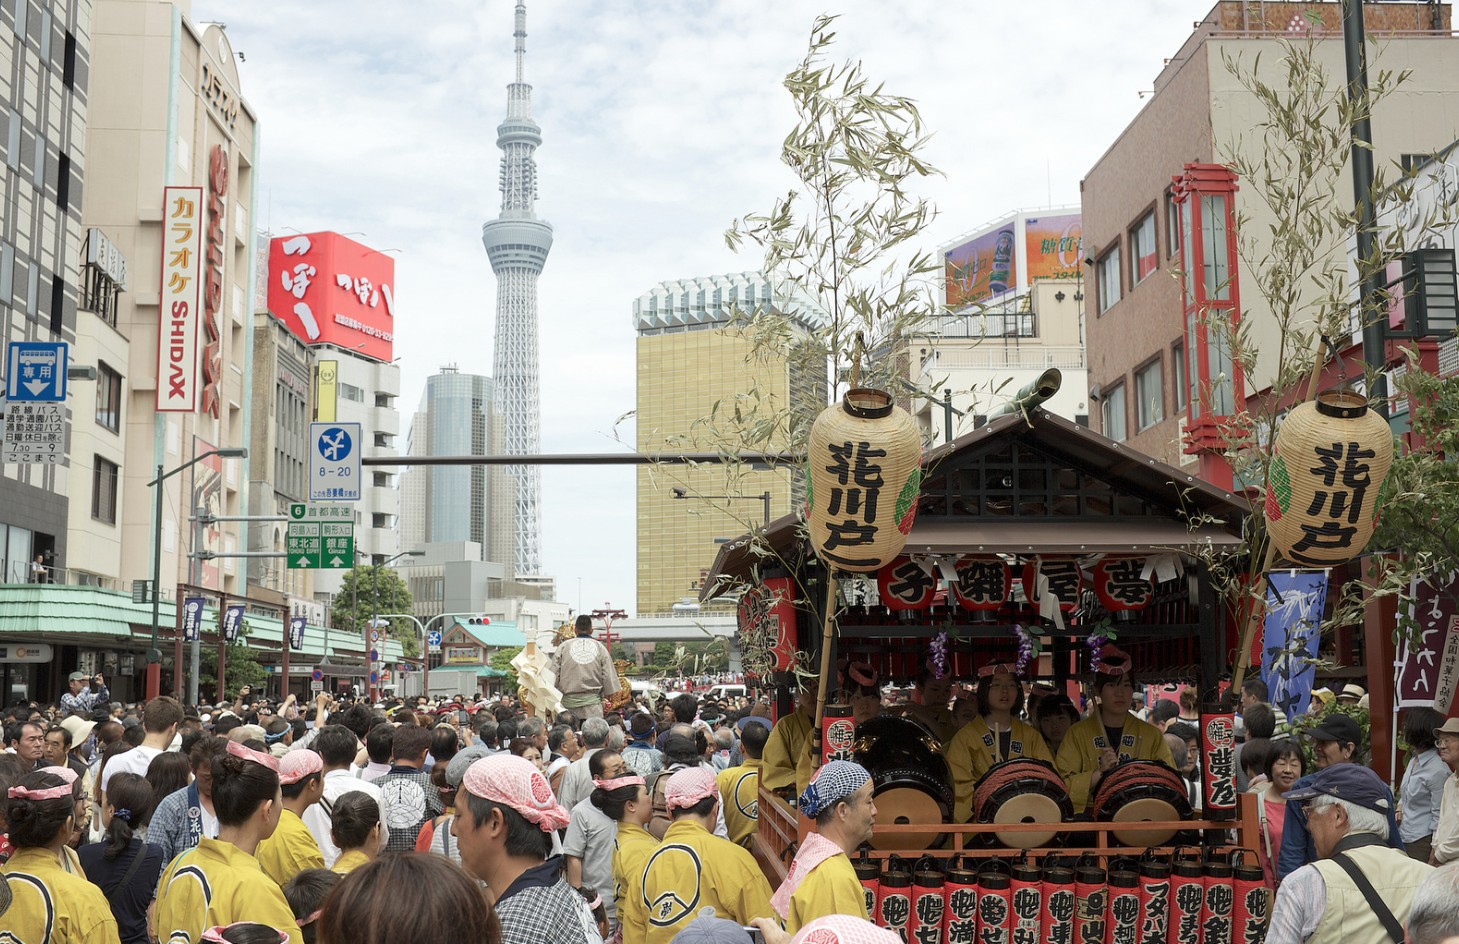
(1355, 57)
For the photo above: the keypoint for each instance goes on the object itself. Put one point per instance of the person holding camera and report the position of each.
(81, 699)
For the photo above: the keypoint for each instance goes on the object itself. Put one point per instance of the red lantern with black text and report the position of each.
(960, 917)
(1154, 900)
(1028, 901)
(1218, 770)
(868, 873)
(838, 733)
(983, 583)
(1122, 925)
(1119, 586)
(995, 907)
(1252, 903)
(1060, 903)
(894, 899)
(1216, 908)
(1091, 901)
(905, 584)
(929, 902)
(1187, 898)
(1066, 580)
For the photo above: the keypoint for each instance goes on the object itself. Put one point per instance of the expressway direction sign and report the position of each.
(321, 537)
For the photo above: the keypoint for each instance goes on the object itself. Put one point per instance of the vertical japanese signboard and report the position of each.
(1428, 666)
(177, 323)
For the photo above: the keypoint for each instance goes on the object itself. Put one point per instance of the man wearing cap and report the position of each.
(1359, 888)
(584, 670)
(1109, 735)
(1335, 744)
(693, 869)
(505, 817)
(435, 836)
(821, 880)
(739, 787)
(81, 699)
(1444, 847)
(337, 747)
(790, 739)
(292, 848)
(639, 753)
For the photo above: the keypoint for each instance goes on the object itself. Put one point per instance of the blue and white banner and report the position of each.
(296, 632)
(232, 622)
(192, 618)
(1295, 603)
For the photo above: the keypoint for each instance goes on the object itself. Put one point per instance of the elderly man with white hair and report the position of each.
(1360, 889)
(1433, 917)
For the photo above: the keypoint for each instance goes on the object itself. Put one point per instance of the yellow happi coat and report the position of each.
(790, 738)
(631, 849)
(1079, 754)
(831, 888)
(216, 883)
(290, 850)
(974, 749)
(693, 869)
(739, 797)
(51, 905)
(349, 861)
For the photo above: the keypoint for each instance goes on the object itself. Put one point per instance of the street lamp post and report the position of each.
(375, 592)
(764, 496)
(424, 630)
(154, 655)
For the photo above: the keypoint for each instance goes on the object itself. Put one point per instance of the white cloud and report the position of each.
(661, 123)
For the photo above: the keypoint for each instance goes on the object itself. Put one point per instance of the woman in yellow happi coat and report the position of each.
(1109, 735)
(994, 736)
(626, 801)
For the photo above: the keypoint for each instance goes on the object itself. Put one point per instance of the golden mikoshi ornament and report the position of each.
(863, 478)
(1329, 470)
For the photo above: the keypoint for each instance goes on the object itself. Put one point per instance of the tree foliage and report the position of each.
(353, 610)
(240, 663)
(502, 659)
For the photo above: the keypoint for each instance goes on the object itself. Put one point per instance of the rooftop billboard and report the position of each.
(332, 290)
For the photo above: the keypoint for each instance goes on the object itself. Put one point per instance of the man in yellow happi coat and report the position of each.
(292, 848)
(790, 739)
(739, 787)
(215, 883)
(1109, 735)
(821, 880)
(994, 736)
(693, 868)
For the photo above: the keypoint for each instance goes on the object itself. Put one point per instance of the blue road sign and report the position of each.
(374, 678)
(36, 371)
(374, 655)
(434, 637)
(317, 676)
(334, 461)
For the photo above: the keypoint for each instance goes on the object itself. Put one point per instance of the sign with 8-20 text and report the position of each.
(334, 461)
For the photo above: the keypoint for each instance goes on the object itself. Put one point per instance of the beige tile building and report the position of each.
(166, 110)
(688, 359)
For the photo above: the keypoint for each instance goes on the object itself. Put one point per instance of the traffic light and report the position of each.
(478, 621)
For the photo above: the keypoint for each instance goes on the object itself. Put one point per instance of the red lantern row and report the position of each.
(985, 582)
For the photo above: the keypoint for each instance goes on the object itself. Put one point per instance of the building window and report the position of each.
(382, 400)
(1113, 411)
(379, 520)
(108, 398)
(1172, 227)
(1109, 279)
(382, 479)
(104, 491)
(351, 392)
(1149, 397)
(1182, 385)
(1143, 256)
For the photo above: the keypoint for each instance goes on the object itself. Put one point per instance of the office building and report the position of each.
(689, 358)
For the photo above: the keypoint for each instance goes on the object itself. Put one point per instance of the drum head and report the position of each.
(907, 803)
(1028, 808)
(1147, 810)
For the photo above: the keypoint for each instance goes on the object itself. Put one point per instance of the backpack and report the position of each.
(658, 785)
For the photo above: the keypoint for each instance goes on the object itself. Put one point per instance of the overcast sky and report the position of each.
(661, 123)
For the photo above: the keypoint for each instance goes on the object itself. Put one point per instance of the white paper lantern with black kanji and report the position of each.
(1327, 483)
(863, 479)
(983, 583)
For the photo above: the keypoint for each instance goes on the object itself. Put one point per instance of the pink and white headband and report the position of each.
(257, 757)
(47, 793)
(628, 780)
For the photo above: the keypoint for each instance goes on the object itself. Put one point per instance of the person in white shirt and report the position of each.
(379, 745)
(159, 723)
(337, 747)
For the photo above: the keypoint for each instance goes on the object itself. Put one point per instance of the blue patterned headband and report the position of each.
(834, 782)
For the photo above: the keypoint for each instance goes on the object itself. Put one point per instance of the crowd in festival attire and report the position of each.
(264, 822)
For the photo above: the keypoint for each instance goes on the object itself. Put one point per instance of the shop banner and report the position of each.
(192, 618)
(1433, 667)
(296, 632)
(232, 621)
(1294, 607)
(177, 328)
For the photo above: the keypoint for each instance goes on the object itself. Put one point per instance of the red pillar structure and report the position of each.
(1206, 195)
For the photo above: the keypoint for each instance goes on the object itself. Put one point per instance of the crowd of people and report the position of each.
(256, 821)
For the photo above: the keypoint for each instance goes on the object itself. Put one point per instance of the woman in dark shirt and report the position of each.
(125, 867)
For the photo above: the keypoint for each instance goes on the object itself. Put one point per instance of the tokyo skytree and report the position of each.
(517, 244)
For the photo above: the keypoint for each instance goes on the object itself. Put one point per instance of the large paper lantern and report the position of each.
(983, 583)
(1066, 580)
(1119, 586)
(905, 584)
(863, 476)
(1329, 467)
